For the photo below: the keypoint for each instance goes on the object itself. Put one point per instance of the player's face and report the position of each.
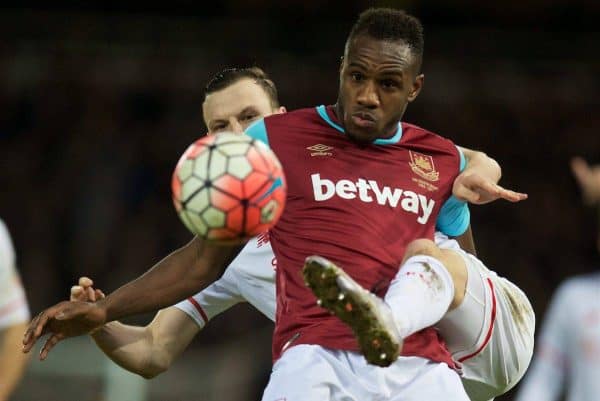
(237, 106)
(378, 79)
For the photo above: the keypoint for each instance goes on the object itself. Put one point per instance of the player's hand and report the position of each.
(588, 178)
(63, 320)
(474, 188)
(85, 292)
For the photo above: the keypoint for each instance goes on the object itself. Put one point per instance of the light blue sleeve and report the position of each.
(258, 130)
(454, 217)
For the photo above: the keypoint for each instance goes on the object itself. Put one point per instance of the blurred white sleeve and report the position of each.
(545, 378)
(214, 299)
(13, 304)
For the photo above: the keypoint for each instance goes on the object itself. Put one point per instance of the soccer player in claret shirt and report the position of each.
(234, 98)
(390, 180)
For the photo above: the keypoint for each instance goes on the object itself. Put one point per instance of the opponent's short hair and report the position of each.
(230, 76)
(392, 25)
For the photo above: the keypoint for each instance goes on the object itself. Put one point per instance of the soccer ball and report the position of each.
(228, 187)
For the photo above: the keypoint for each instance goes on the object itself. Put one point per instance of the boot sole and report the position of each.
(376, 343)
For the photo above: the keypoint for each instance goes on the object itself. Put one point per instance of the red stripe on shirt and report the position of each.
(488, 336)
(199, 309)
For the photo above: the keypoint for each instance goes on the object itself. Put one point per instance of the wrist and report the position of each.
(103, 307)
(101, 330)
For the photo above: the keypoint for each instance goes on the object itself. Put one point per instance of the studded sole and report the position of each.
(352, 307)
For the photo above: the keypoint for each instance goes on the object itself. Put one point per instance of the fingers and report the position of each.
(465, 194)
(478, 190)
(510, 195)
(50, 343)
(100, 294)
(84, 291)
(85, 282)
(77, 293)
(90, 294)
(35, 330)
(28, 341)
(82, 294)
(581, 170)
(495, 191)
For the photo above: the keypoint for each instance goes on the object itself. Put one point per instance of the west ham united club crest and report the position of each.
(423, 166)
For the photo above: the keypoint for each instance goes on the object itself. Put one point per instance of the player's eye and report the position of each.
(357, 76)
(389, 83)
(249, 117)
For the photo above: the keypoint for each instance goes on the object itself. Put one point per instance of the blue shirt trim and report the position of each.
(390, 141)
(381, 141)
(258, 130)
(323, 113)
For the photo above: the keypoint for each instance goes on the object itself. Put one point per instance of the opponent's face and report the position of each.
(378, 79)
(236, 106)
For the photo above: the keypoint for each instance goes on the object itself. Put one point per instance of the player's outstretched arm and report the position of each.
(179, 275)
(146, 351)
(12, 363)
(478, 183)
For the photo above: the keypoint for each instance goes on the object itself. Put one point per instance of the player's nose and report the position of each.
(368, 96)
(236, 126)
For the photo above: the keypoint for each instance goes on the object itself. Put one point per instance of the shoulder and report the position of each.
(572, 291)
(253, 258)
(4, 234)
(302, 116)
(6, 245)
(415, 133)
(574, 286)
(274, 126)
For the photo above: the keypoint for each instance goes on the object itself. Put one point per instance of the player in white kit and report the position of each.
(568, 356)
(14, 315)
(251, 278)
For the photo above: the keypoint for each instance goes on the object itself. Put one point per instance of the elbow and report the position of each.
(154, 368)
(159, 361)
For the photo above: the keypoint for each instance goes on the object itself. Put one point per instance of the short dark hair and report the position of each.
(390, 24)
(230, 76)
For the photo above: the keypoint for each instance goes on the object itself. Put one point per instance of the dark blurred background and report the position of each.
(98, 102)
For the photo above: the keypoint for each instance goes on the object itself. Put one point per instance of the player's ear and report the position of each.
(281, 110)
(416, 87)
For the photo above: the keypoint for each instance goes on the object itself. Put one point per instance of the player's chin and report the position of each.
(362, 134)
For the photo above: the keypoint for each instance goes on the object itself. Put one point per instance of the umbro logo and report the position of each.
(320, 150)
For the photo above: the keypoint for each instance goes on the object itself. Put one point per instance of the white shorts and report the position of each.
(496, 353)
(313, 373)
